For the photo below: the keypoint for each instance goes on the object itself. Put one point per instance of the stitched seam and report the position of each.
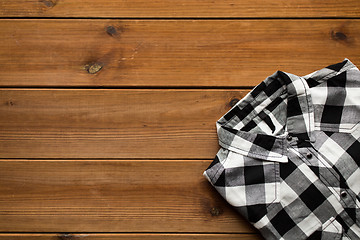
(343, 69)
(276, 164)
(331, 223)
(308, 103)
(260, 155)
(226, 158)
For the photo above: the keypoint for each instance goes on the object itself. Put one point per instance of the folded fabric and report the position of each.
(289, 160)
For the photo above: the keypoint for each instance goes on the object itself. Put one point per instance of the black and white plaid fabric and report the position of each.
(289, 160)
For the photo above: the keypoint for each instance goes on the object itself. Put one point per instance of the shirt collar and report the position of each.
(299, 111)
(298, 115)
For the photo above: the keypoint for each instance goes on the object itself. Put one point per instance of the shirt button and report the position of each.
(343, 194)
(289, 137)
(309, 155)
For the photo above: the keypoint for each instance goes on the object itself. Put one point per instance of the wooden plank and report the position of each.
(112, 196)
(112, 123)
(44, 236)
(183, 8)
(62, 52)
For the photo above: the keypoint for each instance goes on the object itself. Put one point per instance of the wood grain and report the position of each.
(112, 123)
(82, 159)
(171, 53)
(110, 236)
(183, 8)
(112, 196)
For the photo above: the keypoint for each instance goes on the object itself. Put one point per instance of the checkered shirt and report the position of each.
(290, 155)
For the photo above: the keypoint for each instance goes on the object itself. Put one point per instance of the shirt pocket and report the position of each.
(243, 180)
(331, 229)
(339, 128)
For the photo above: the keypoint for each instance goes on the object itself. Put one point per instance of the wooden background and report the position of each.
(108, 108)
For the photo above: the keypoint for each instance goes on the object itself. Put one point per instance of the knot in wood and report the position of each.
(93, 68)
(233, 102)
(111, 30)
(215, 211)
(338, 35)
(49, 3)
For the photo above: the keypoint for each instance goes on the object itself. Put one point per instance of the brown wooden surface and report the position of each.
(110, 236)
(193, 53)
(181, 8)
(112, 196)
(112, 123)
(108, 108)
